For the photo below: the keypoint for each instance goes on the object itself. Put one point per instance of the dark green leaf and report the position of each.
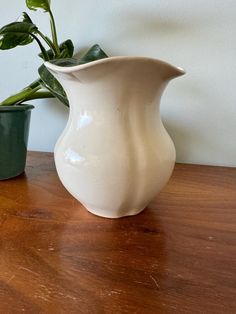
(15, 34)
(66, 62)
(27, 41)
(49, 82)
(38, 4)
(66, 50)
(93, 54)
(25, 18)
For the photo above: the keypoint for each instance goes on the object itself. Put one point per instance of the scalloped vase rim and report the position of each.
(70, 69)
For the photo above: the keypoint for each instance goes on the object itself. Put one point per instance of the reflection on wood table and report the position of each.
(177, 256)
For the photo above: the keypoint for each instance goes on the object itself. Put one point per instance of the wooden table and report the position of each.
(178, 256)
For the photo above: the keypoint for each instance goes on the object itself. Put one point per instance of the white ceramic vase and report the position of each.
(115, 155)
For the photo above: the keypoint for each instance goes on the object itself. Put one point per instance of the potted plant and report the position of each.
(15, 110)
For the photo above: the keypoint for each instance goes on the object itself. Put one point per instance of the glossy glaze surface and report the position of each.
(14, 131)
(115, 154)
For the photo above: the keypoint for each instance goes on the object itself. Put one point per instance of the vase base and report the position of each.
(12, 176)
(112, 214)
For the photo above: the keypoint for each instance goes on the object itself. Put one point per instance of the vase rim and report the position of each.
(69, 69)
(22, 107)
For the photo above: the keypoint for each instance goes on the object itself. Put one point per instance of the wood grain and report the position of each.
(178, 256)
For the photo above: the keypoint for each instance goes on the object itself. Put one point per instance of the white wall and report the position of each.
(199, 109)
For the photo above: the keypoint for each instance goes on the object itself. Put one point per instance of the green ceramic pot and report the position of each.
(14, 131)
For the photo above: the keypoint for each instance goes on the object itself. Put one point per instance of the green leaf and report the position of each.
(38, 4)
(50, 83)
(93, 54)
(15, 34)
(24, 18)
(66, 62)
(66, 50)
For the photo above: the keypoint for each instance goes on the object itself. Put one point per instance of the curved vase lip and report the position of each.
(70, 69)
(23, 107)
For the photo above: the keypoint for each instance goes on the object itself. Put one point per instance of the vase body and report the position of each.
(14, 131)
(115, 155)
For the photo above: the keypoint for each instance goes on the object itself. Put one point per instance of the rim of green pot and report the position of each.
(22, 107)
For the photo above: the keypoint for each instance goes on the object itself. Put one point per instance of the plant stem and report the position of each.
(34, 84)
(54, 32)
(21, 96)
(40, 94)
(49, 42)
(43, 50)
